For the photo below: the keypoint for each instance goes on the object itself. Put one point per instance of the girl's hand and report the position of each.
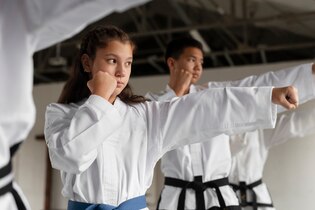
(102, 84)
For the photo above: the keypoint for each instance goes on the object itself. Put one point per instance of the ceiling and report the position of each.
(233, 33)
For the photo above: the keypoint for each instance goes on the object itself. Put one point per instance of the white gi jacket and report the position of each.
(107, 153)
(248, 164)
(212, 159)
(27, 26)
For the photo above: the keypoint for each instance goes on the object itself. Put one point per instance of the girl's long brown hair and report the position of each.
(76, 88)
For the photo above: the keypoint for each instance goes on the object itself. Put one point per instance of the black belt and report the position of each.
(14, 148)
(18, 200)
(243, 187)
(7, 188)
(199, 188)
(5, 171)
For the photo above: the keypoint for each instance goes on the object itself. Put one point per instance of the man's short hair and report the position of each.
(176, 47)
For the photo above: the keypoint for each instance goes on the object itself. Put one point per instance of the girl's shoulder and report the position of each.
(62, 109)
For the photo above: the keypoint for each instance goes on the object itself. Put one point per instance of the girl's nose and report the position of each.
(120, 71)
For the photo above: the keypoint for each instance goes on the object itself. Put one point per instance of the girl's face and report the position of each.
(115, 59)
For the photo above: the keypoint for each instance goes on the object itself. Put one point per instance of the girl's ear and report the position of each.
(85, 60)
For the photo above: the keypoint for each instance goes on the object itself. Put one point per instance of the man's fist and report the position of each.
(286, 97)
(180, 81)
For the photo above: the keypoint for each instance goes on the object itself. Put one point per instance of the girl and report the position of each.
(28, 26)
(106, 141)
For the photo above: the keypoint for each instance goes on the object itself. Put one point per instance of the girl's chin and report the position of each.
(117, 91)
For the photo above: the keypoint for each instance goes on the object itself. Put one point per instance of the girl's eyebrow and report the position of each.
(111, 54)
(114, 55)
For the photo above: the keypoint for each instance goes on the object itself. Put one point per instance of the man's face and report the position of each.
(191, 60)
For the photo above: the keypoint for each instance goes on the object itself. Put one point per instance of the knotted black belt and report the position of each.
(199, 187)
(5, 171)
(243, 187)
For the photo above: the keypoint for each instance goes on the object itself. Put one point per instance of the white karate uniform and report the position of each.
(212, 159)
(245, 169)
(106, 153)
(27, 26)
(248, 164)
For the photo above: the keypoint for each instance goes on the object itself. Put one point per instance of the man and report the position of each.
(248, 163)
(196, 175)
(27, 26)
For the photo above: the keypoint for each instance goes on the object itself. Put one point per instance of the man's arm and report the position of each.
(50, 22)
(294, 124)
(302, 77)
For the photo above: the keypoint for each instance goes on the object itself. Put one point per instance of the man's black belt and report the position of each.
(243, 187)
(6, 170)
(10, 189)
(199, 187)
(7, 188)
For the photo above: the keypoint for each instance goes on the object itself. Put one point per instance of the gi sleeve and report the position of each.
(292, 124)
(299, 76)
(74, 134)
(165, 95)
(197, 117)
(50, 22)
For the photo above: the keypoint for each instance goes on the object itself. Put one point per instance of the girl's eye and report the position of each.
(111, 61)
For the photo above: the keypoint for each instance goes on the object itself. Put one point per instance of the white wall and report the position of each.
(289, 172)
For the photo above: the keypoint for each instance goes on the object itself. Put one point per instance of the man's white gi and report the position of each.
(212, 159)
